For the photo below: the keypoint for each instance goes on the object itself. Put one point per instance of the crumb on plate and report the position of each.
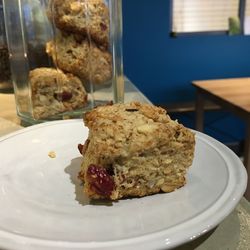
(52, 154)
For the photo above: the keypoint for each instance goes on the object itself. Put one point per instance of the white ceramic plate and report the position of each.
(42, 205)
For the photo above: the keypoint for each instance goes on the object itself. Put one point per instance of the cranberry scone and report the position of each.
(54, 92)
(73, 54)
(134, 150)
(86, 17)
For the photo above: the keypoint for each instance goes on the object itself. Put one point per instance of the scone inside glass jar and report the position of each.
(66, 56)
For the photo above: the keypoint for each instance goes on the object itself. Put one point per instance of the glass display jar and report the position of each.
(65, 56)
(5, 76)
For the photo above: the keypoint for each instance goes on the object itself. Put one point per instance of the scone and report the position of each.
(87, 17)
(134, 150)
(87, 61)
(53, 92)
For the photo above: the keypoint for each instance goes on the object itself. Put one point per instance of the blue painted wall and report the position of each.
(163, 67)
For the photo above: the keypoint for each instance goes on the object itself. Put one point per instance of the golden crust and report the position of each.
(117, 132)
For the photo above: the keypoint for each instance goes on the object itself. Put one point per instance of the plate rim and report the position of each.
(156, 239)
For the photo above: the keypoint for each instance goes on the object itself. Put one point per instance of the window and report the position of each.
(247, 9)
(247, 18)
(198, 16)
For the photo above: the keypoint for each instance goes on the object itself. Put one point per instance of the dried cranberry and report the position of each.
(103, 26)
(99, 180)
(80, 148)
(66, 96)
(83, 147)
(63, 96)
(85, 98)
(131, 110)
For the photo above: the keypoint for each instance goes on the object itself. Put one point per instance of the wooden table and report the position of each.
(233, 95)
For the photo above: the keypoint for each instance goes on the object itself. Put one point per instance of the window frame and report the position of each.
(241, 14)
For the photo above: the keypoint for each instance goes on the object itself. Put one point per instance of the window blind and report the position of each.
(203, 15)
(247, 8)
